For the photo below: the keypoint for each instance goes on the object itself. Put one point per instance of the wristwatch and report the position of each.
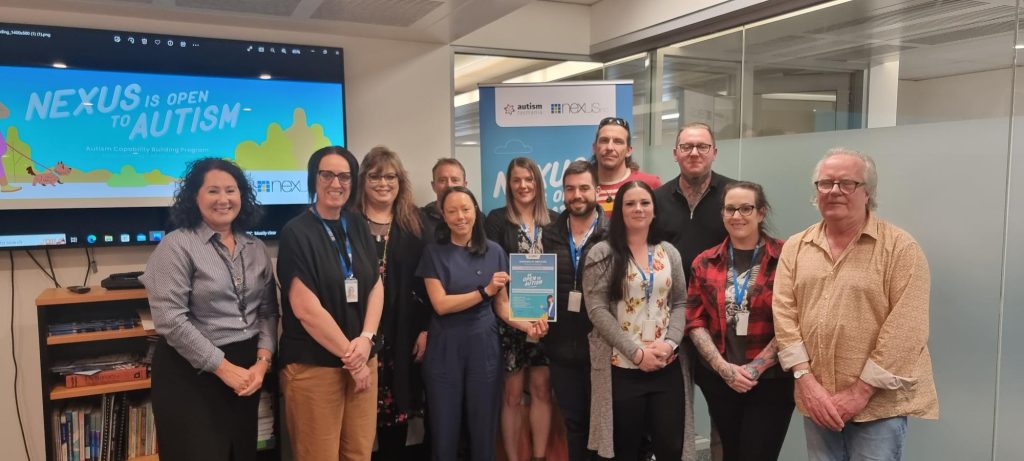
(800, 373)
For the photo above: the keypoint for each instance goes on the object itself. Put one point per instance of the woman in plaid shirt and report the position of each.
(729, 320)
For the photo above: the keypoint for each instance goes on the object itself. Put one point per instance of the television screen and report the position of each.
(98, 126)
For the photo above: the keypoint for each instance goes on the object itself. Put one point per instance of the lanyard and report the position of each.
(345, 269)
(238, 284)
(536, 234)
(382, 265)
(648, 284)
(741, 292)
(577, 251)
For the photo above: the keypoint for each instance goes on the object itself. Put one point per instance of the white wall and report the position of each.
(398, 94)
(614, 18)
(944, 99)
(539, 26)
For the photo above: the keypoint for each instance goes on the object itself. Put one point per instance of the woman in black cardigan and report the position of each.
(385, 200)
(517, 228)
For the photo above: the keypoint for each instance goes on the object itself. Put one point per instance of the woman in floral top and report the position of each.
(636, 293)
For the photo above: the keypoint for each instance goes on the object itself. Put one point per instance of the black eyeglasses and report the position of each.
(730, 211)
(328, 176)
(613, 121)
(846, 186)
(376, 178)
(701, 148)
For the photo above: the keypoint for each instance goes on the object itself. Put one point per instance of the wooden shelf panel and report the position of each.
(145, 458)
(98, 336)
(61, 392)
(61, 296)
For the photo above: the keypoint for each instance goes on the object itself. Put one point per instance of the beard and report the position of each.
(586, 211)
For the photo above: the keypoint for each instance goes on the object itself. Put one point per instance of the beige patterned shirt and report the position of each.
(864, 316)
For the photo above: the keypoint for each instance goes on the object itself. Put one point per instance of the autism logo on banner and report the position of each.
(551, 123)
(554, 104)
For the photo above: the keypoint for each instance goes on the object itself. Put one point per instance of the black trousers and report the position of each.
(572, 392)
(648, 403)
(197, 416)
(753, 425)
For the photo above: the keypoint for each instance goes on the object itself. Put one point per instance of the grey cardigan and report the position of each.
(607, 333)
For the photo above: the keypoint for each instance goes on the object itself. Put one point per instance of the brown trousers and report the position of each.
(327, 419)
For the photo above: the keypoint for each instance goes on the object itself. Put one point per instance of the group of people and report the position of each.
(391, 313)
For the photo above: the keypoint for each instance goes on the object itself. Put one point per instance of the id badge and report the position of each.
(742, 319)
(352, 290)
(575, 300)
(647, 331)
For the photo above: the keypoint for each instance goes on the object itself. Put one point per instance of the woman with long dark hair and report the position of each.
(465, 275)
(385, 202)
(332, 297)
(634, 286)
(729, 320)
(214, 302)
(518, 228)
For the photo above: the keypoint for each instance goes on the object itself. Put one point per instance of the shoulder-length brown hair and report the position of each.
(404, 209)
(540, 201)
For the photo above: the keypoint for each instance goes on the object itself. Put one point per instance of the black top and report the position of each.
(693, 233)
(505, 233)
(307, 253)
(431, 219)
(566, 342)
(406, 312)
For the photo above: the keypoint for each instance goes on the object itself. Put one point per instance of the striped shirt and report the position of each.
(193, 299)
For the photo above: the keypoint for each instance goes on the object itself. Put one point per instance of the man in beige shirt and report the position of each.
(851, 319)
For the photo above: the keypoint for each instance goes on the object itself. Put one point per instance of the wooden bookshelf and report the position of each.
(98, 336)
(145, 458)
(60, 392)
(62, 297)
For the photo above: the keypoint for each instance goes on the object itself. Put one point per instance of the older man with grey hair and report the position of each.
(851, 319)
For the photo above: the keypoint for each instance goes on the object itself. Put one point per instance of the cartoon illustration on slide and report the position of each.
(50, 177)
(5, 185)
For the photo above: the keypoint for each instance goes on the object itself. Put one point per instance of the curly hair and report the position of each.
(185, 212)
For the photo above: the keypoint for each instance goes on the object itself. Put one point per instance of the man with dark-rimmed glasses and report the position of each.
(690, 205)
(615, 166)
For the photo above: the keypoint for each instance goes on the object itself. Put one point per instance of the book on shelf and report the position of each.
(119, 374)
(103, 323)
(111, 427)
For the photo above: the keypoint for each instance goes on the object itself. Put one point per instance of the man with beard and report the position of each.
(570, 237)
(690, 205)
(613, 152)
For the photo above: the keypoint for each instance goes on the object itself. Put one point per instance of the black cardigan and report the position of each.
(505, 233)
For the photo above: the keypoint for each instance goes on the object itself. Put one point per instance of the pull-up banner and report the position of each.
(551, 123)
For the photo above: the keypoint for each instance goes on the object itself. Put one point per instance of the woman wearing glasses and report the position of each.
(465, 275)
(385, 202)
(633, 284)
(517, 228)
(729, 320)
(331, 297)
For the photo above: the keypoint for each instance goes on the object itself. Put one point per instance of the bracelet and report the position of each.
(483, 293)
(642, 355)
(267, 359)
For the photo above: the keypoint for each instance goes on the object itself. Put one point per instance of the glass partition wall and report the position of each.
(932, 91)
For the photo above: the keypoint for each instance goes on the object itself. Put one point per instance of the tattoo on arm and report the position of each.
(768, 357)
(706, 346)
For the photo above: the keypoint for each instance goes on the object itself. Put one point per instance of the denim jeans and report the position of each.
(880, 440)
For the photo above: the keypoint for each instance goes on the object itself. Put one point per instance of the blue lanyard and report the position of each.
(741, 292)
(536, 234)
(345, 269)
(648, 283)
(577, 251)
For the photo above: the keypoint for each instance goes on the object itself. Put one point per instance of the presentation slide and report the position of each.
(94, 139)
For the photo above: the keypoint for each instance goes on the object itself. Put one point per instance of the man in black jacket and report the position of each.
(570, 237)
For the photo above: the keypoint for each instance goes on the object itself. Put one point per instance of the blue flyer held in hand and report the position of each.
(532, 293)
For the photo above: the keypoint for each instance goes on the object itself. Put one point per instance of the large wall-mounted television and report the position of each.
(98, 126)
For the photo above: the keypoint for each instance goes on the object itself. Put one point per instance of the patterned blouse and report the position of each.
(634, 308)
